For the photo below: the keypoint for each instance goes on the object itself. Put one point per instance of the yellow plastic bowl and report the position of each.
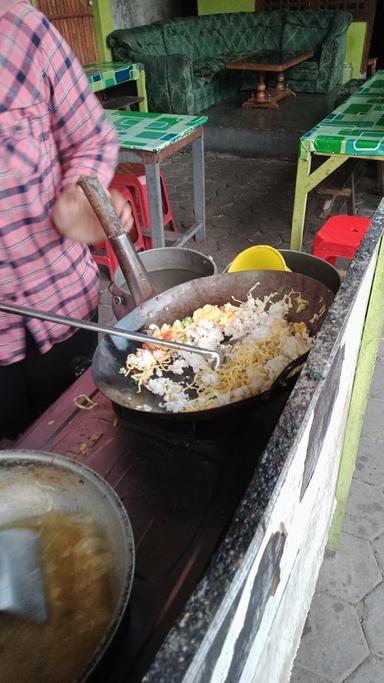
(258, 257)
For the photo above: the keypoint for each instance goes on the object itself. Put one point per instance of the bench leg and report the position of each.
(199, 184)
(300, 205)
(152, 174)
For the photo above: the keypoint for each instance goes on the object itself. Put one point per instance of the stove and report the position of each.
(180, 482)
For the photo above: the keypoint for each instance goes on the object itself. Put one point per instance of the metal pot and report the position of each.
(312, 266)
(168, 267)
(34, 482)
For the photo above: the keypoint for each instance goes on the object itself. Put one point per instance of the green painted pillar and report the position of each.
(103, 26)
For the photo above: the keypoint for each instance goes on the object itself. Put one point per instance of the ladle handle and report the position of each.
(214, 357)
(133, 270)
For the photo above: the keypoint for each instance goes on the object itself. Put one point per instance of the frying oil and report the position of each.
(77, 565)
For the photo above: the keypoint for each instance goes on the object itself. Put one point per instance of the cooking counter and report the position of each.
(180, 483)
(230, 522)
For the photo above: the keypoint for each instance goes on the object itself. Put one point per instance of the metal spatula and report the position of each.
(215, 357)
(21, 580)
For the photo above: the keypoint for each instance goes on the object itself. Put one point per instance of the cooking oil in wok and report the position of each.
(77, 565)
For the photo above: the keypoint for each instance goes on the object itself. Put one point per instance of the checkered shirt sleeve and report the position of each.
(52, 130)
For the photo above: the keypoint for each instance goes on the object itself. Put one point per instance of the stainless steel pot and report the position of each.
(167, 267)
(312, 266)
(33, 482)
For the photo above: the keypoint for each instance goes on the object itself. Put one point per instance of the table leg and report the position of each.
(305, 182)
(141, 91)
(261, 87)
(300, 204)
(152, 174)
(281, 90)
(199, 184)
(280, 81)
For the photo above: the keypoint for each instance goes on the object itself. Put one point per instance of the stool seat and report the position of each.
(339, 237)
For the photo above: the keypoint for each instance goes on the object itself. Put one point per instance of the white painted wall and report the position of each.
(271, 649)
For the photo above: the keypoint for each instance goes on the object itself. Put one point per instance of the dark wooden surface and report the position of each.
(180, 496)
(277, 63)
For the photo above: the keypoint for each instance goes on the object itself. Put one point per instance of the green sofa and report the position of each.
(185, 58)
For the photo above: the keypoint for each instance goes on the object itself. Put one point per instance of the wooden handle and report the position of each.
(132, 268)
(102, 206)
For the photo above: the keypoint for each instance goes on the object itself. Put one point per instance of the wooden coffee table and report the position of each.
(269, 61)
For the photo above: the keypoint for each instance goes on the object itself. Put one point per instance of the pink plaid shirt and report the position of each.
(52, 130)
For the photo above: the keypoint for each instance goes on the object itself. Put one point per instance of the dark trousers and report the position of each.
(28, 387)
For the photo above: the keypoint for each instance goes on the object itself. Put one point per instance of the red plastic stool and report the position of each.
(132, 175)
(103, 253)
(340, 236)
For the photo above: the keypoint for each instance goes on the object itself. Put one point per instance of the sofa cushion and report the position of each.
(204, 70)
(224, 86)
(247, 32)
(181, 36)
(221, 35)
(305, 30)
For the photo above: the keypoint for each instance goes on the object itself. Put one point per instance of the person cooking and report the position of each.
(52, 130)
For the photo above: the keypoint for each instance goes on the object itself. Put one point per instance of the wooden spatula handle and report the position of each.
(132, 268)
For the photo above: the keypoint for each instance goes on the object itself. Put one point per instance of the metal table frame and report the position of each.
(307, 181)
(354, 130)
(152, 163)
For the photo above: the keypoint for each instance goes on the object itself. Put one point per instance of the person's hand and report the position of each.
(74, 217)
(123, 209)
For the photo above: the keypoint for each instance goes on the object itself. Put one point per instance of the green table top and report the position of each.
(151, 132)
(107, 74)
(355, 128)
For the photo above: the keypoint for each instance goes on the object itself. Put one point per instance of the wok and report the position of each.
(33, 483)
(181, 301)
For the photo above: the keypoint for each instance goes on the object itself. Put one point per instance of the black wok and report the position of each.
(181, 301)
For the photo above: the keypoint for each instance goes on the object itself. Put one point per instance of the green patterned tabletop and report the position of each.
(355, 128)
(107, 74)
(151, 132)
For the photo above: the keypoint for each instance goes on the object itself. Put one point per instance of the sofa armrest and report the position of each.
(331, 63)
(169, 83)
(168, 77)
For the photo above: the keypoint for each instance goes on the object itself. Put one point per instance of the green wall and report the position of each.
(103, 26)
(355, 45)
(355, 35)
(219, 6)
